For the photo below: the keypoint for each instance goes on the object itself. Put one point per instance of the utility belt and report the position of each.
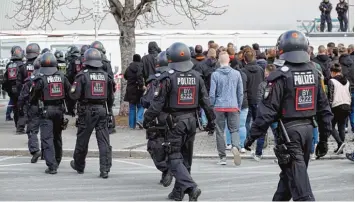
(92, 102)
(156, 131)
(53, 102)
(289, 123)
(176, 116)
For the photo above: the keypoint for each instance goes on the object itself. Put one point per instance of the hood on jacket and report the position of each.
(345, 60)
(322, 58)
(211, 62)
(252, 67)
(153, 47)
(224, 70)
(262, 63)
(341, 79)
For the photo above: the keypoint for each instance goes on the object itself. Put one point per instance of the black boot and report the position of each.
(35, 157)
(51, 171)
(194, 194)
(72, 165)
(166, 178)
(176, 195)
(104, 175)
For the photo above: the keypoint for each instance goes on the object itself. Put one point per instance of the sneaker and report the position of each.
(256, 157)
(35, 157)
(222, 161)
(140, 125)
(9, 119)
(242, 150)
(228, 147)
(194, 194)
(340, 148)
(236, 154)
(313, 157)
(350, 156)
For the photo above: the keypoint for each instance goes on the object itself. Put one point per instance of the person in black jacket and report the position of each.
(255, 75)
(351, 51)
(324, 61)
(326, 8)
(134, 92)
(149, 61)
(199, 56)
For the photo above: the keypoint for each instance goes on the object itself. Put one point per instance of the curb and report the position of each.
(133, 153)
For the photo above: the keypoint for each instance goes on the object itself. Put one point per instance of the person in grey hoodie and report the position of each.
(226, 95)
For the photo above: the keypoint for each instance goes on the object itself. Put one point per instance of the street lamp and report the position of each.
(97, 12)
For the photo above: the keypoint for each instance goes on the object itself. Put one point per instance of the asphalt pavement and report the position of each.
(137, 180)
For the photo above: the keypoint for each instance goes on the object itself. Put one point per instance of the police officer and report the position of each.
(108, 69)
(32, 113)
(342, 9)
(180, 93)
(50, 89)
(74, 63)
(11, 85)
(62, 65)
(293, 96)
(82, 51)
(94, 89)
(156, 137)
(326, 8)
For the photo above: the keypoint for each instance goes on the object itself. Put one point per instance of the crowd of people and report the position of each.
(236, 82)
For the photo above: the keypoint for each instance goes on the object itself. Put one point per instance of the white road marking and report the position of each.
(16, 164)
(7, 158)
(136, 164)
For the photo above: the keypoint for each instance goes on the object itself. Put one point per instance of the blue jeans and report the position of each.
(135, 114)
(251, 116)
(242, 129)
(260, 141)
(203, 118)
(9, 109)
(315, 139)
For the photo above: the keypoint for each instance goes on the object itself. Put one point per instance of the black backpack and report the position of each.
(152, 90)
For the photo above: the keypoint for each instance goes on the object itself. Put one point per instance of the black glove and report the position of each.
(322, 149)
(248, 142)
(146, 124)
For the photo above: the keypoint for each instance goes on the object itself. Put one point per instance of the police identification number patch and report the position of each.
(55, 89)
(98, 88)
(186, 90)
(305, 98)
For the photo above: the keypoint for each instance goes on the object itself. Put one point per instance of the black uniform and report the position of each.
(295, 96)
(74, 65)
(94, 89)
(32, 114)
(11, 84)
(180, 94)
(62, 65)
(50, 90)
(326, 8)
(156, 135)
(342, 9)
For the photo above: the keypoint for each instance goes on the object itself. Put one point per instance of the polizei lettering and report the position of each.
(54, 79)
(303, 79)
(184, 81)
(97, 77)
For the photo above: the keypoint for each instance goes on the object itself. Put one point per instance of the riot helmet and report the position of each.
(45, 50)
(32, 51)
(60, 56)
(162, 60)
(92, 57)
(48, 64)
(17, 53)
(37, 63)
(83, 49)
(192, 51)
(73, 51)
(179, 57)
(99, 46)
(292, 46)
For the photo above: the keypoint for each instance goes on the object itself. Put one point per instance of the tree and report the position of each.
(41, 14)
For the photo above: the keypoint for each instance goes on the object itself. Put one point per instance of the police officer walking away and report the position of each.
(11, 85)
(342, 9)
(293, 97)
(50, 90)
(326, 8)
(94, 89)
(62, 65)
(180, 93)
(74, 63)
(156, 137)
(32, 113)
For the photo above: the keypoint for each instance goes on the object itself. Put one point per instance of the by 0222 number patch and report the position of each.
(305, 98)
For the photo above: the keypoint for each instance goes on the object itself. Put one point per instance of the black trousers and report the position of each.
(157, 152)
(294, 181)
(22, 120)
(51, 135)
(181, 138)
(326, 18)
(340, 119)
(343, 21)
(33, 128)
(14, 99)
(90, 117)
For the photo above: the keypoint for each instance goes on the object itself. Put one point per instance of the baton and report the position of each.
(284, 131)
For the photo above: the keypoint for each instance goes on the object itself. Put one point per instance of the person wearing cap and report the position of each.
(293, 97)
(94, 89)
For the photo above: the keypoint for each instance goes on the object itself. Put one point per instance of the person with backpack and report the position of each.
(156, 134)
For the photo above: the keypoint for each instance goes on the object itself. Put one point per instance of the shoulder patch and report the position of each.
(285, 69)
(171, 71)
